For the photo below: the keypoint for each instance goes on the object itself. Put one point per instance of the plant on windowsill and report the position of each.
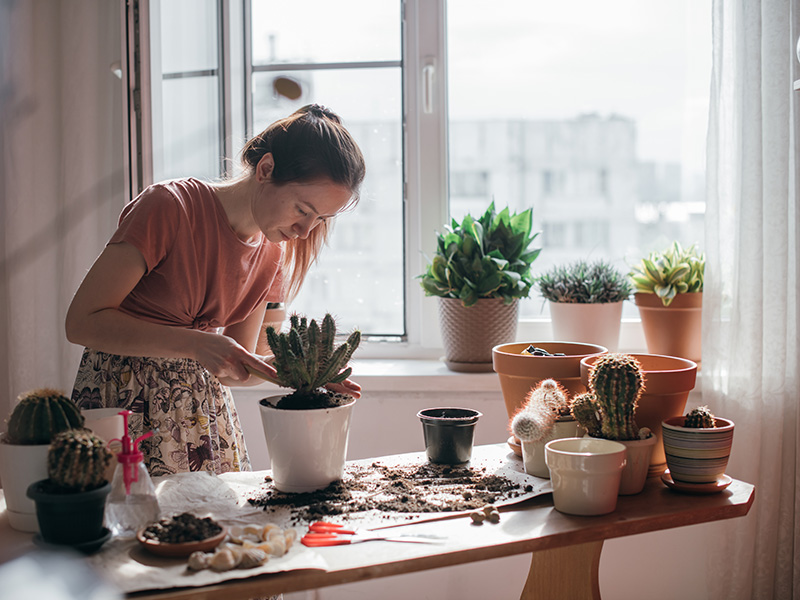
(70, 504)
(669, 295)
(39, 415)
(310, 417)
(585, 301)
(608, 411)
(482, 267)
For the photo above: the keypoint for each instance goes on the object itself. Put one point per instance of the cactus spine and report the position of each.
(615, 385)
(700, 417)
(40, 415)
(536, 419)
(306, 359)
(77, 461)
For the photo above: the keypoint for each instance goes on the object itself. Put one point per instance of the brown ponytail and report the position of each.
(309, 144)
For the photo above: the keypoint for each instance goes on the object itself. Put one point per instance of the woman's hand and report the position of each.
(229, 361)
(348, 386)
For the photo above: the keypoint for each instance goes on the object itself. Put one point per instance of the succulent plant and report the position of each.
(583, 282)
(700, 417)
(306, 361)
(673, 271)
(77, 461)
(537, 417)
(615, 385)
(488, 257)
(39, 415)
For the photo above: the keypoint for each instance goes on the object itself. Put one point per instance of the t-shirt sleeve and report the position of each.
(149, 223)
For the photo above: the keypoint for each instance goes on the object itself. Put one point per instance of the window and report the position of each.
(594, 114)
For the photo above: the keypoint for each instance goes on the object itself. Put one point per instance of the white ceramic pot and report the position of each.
(20, 466)
(637, 464)
(107, 424)
(533, 452)
(307, 448)
(586, 473)
(587, 323)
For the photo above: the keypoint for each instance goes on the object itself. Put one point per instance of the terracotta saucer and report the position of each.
(517, 448)
(180, 549)
(696, 488)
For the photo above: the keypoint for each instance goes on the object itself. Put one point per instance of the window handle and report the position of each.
(428, 72)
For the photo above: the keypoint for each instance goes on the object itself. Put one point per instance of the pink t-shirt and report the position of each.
(200, 274)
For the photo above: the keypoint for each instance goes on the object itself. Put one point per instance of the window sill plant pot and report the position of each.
(519, 372)
(586, 474)
(482, 267)
(307, 431)
(585, 300)
(70, 504)
(667, 383)
(448, 433)
(24, 448)
(697, 455)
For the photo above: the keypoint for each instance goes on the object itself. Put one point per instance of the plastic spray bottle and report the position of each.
(132, 503)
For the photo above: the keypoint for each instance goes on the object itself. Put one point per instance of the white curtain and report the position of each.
(750, 321)
(61, 176)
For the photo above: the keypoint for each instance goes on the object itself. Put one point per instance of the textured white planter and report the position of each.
(20, 466)
(586, 473)
(587, 323)
(533, 452)
(307, 448)
(637, 465)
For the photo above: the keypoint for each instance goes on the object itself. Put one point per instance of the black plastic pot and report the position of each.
(69, 519)
(448, 433)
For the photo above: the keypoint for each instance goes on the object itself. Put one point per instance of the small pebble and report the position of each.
(477, 517)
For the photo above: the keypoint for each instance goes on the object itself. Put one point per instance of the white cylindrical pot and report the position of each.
(307, 448)
(586, 473)
(637, 464)
(20, 466)
(533, 452)
(587, 323)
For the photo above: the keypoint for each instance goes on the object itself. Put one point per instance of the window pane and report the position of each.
(321, 31)
(188, 35)
(191, 144)
(594, 113)
(359, 277)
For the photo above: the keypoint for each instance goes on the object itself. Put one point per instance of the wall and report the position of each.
(384, 422)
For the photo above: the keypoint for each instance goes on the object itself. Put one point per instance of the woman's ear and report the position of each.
(264, 168)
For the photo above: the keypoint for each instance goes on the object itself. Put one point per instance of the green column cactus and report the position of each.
(77, 461)
(39, 415)
(615, 385)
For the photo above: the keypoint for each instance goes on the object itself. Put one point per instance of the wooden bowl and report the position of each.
(181, 548)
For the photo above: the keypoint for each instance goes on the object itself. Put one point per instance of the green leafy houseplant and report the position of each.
(673, 271)
(307, 360)
(583, 282)
(488, 257)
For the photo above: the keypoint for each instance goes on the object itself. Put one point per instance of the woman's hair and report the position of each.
(309, 144)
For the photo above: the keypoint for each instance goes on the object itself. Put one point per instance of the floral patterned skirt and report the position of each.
(192, 413)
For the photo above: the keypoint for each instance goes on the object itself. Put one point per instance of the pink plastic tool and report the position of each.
(130, 456)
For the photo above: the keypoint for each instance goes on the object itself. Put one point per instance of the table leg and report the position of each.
(568, 573)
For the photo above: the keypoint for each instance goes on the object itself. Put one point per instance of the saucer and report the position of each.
(86, 547)
(516, 447)
(696, 488)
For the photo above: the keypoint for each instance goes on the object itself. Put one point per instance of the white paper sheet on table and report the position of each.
(225, 498)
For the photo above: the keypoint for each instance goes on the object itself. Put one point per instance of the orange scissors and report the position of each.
(322, 533)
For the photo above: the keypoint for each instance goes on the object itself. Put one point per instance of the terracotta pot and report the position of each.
(673, 330)
(667, 383)
(274, 317)
(587, 323)
(470, 333)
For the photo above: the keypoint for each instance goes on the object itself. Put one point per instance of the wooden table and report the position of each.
(565, 549)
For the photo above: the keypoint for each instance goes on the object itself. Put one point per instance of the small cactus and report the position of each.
(306, 361)
(40, 414)
(537, 417)
(700, 417)
(77, 461)
(615, 385)
(587, 413)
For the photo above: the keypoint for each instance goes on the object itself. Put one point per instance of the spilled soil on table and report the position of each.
(426, 488)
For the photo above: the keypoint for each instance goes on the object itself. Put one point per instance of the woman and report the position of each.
(170, 311)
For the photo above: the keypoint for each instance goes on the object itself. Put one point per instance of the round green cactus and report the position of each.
(77, 461)
(587, 413)
(40, 414)
(700, 417)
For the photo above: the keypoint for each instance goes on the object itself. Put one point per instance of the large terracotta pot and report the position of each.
(520, 372)
(673, 330)
(587, 323)
(470, 333)
(667, 383)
